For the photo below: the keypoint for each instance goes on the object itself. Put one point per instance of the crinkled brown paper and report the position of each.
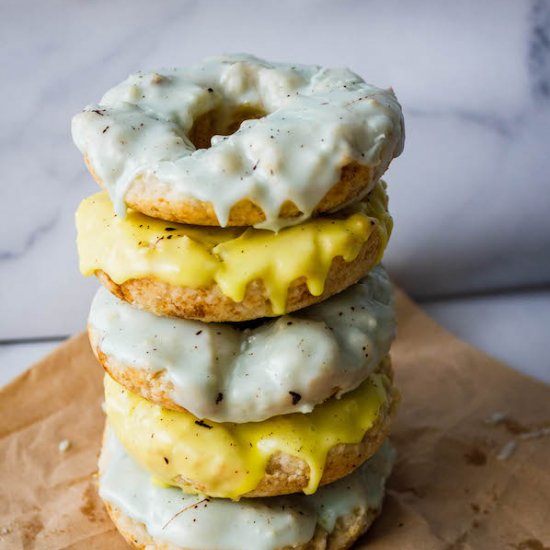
(449, 489)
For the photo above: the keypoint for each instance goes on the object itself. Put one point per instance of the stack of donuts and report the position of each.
(244, 323)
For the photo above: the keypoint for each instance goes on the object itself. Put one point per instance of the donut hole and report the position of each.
(222, 121)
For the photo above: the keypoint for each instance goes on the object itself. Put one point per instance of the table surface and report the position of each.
(511, 327)
(469, 196)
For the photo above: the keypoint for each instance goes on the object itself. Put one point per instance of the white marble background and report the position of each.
(470, 195)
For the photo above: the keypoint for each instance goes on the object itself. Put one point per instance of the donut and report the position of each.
(239, 141)
(229, 274)
(150, 516)
(232, 373)
(282, 455)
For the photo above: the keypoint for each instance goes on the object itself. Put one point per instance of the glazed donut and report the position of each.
(239, 141)
(231, 274)
(281, 455)
(150, 516)
(229, 373)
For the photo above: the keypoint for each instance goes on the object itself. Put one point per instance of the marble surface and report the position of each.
(511, 327)
(15, 358)
(470, 195)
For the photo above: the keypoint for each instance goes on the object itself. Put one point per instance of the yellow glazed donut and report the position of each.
(151, 516)
(230, 274)
(238, 141)
(281, 455)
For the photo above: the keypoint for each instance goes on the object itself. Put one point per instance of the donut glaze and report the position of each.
(233, 373)
(265, 524)
(231, 261)
(281, 455)
(237, 128)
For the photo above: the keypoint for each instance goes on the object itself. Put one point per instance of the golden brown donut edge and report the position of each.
(209, 304)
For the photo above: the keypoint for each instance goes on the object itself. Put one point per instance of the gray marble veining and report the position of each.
(470, 195)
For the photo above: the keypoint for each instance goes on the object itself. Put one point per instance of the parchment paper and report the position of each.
(449, 489)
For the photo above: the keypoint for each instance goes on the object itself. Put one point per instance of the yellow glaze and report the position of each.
(228, 460)
(138, 246)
